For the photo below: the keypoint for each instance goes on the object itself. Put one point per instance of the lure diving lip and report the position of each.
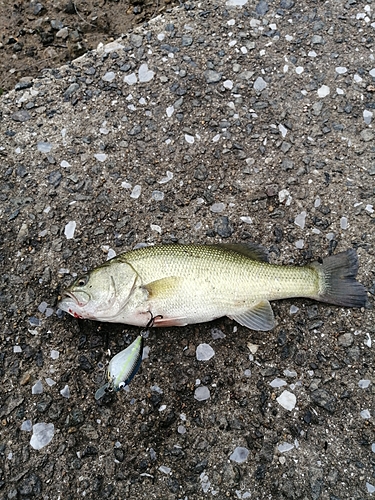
(123, 367)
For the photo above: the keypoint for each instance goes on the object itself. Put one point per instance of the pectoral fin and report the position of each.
(260, 317)
(163, 288)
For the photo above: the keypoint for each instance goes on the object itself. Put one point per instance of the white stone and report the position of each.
(50, 382)
(372, 72)
(64, 164)
(293, 309)
(204, 352)
(364, 383)
(69, 229)
(283, 447)
(100, 157)
(300, 244)
(136, 192)
(189, 138)
(202, 393)
(299, 70)
(145, 74)
(239, 455)
(168, 177)
(228, 84)
(54, 354)
(323, 91)
(157, 195)
(130, 79)
(26, 426)
(109, 76)
(283, 130)
(235, 3)
(170, 111)
(300, 220)
(17, 348)
(217, 207)
(365, 414)
(367, 116)
(42, 435)
(44, 147)
(246, 219)
(370, 487)
(156, 227)
(344, 223)
(287, 400)
(291, 374)
(278, 382)
(341, 70)
(37, 388)
(65, 392)
(259, 84)
(164, 469)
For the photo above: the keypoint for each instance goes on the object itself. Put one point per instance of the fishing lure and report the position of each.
(123, 367)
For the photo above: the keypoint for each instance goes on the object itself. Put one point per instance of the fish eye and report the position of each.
(121, 385)
(82, 280)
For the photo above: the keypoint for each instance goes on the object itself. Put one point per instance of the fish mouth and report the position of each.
(79, 299)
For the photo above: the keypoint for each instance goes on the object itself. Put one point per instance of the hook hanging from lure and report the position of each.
(123, 367)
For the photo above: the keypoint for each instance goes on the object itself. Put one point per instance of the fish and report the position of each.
(187, 284)
(123, 367)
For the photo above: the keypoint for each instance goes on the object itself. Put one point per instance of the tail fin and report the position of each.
(339, 284)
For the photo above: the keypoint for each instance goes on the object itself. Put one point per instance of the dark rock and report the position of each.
(84, 363)
(54, 178)
(323, 399)
(201, 173)
(23, 85)
(223, 227)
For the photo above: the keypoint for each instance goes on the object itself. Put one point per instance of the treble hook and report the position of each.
(150, 324)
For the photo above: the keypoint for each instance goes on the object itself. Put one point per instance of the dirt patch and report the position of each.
(37, 35)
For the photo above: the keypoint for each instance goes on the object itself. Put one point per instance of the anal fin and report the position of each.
(260, 317)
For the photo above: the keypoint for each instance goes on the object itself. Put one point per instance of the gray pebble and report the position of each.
(317, 40)
(70, 90)
(367, 135)
(21, 116)
(286, 4)
(262, 8)
(285, 146)
(186, 40)
(287, 164)
(136, 40)
(345, 340)
(212, 76)
(135, 130)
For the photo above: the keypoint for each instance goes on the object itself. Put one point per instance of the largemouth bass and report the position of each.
(185, 284)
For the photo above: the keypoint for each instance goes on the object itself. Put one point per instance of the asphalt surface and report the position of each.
(213, 123)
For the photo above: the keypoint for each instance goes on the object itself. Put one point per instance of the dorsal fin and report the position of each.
(251, 250)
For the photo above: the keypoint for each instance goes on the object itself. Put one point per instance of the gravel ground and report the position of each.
(212, 123)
